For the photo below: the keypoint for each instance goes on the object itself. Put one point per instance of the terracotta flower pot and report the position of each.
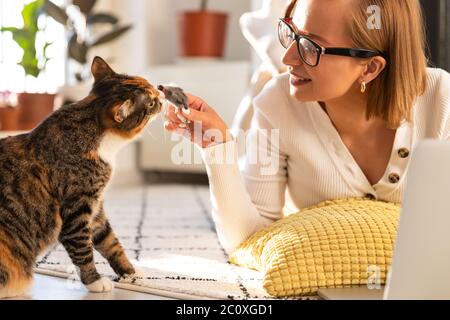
(202, 33)
(34, 108)
(9, 119)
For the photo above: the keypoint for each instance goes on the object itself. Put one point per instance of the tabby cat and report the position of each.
(52, 181)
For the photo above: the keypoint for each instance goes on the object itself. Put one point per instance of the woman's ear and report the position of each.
(121, 112)
(373, 68)
(100, 69)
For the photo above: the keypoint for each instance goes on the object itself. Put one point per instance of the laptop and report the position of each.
(421, 263)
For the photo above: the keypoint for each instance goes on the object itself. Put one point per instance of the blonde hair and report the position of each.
(401, 39)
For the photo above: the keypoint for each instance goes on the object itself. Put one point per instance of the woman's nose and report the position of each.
(291, 56)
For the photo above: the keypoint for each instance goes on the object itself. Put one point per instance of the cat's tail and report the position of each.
(14, 280)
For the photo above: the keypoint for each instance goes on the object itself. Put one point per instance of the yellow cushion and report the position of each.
(334, 244)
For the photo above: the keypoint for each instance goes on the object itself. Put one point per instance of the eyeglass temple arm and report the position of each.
(356, 53)
(290, 9)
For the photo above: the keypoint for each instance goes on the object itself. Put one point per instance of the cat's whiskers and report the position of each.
(147, 128)
(163, 112)
(147, 131)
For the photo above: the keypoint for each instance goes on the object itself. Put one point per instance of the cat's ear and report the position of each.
(122, 112)
(100, 69)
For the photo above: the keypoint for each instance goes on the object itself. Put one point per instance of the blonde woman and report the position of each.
(357, 98)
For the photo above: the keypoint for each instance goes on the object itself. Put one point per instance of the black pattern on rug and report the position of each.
(169, 235)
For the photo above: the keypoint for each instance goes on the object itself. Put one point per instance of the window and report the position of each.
(437, 14)
(12, 75)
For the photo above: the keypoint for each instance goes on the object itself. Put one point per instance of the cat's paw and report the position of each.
(101, 285)
(132, 278)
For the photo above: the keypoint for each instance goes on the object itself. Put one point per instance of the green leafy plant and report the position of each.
(80, 28)
(34, 59)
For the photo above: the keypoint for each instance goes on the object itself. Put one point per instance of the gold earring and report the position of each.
(363, 87)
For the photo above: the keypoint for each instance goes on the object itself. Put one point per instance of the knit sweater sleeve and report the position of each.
(248, 197)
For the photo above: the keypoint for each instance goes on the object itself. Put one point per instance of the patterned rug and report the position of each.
(169, 236)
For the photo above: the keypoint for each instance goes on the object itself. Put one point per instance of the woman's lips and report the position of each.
(298, 80)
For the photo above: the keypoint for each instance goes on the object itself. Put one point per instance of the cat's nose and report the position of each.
(162, 94)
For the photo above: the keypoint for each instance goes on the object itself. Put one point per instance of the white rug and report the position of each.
(169, 235)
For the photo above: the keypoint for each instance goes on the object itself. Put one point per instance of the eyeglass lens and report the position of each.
(307, 50)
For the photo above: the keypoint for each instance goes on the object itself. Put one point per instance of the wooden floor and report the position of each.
(52, 288)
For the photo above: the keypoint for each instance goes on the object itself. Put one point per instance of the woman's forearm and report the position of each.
(234, 214)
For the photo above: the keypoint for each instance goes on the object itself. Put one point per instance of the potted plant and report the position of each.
(80, 25)
(34, 107)
(9, 113)
(203, 32)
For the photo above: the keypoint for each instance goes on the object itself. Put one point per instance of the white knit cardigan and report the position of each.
(312, 162)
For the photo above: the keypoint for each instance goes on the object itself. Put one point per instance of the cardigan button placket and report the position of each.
(394, 178)
(403, 153)
(370, 196)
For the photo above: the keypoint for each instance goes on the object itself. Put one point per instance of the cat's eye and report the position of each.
(152, 104)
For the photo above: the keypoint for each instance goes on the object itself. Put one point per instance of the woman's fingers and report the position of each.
(194, 115)
(174, 128)
(171, 113)
(196, 103)
(170, 126)
(185, 132)
(174, 116)
(185, 122)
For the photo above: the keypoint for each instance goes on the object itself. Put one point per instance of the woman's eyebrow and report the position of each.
(312, 35)
(315, 36)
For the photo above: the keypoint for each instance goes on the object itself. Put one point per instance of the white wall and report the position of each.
(257, 4)
(154, 38)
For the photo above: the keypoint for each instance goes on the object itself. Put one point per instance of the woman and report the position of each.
(347, 118)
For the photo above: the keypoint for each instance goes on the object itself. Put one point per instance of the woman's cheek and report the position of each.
(335, 82)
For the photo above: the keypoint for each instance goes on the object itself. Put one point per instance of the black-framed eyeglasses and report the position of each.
(310, 51)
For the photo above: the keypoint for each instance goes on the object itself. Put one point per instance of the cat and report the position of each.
(52, 181)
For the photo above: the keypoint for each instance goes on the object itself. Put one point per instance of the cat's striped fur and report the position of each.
(52, 181)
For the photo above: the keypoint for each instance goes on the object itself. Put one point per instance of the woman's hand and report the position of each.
(200, 124)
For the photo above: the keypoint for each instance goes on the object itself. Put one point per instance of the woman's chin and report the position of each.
(300, 94)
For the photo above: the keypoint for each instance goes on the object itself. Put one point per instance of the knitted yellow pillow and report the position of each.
(332, 245)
